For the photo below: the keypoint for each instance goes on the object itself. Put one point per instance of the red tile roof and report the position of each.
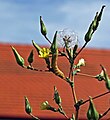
(16, 82)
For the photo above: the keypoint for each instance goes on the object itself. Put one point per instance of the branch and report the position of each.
(104, 113)
(96, 97)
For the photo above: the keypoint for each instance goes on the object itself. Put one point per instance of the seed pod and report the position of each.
(28, 108)
(36, 47)
(19, 59)
(30, 58)
(92, 113)
(43, 27)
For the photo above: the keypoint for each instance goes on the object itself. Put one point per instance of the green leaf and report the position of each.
(31, 57)
(19, 59)
(28, 108)
(43, 27)
(36, 47)
(92, 113)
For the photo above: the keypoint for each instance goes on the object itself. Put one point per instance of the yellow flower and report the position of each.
(44, 53)
(45, 106)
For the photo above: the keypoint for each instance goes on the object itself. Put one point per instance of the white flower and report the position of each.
(81, 62)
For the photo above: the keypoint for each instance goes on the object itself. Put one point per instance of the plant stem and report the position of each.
(36, 118)
(74, 95)
(76, 115)
(96, 97)
(87, 75)
(81, 49)
(47, 39)
(104, 113)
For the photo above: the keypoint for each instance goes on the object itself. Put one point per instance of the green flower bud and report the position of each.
(36, 47)
(31, 57)
(28, 108)
(100, 14)
(92, 113)
(74, 50)
(53, 47)
(19, 59)
(94, 25)
(88, 35)
(106, 78)
(46, 106)
(57, 97)
(43, 27)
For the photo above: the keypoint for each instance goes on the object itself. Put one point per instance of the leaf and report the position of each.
(19, 59)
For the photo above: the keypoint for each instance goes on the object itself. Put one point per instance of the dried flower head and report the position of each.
(67, 38)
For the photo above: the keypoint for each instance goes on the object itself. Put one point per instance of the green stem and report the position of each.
(47, 39)
(81, 49)
(36, 118)
(104, 113)
(76, 115)
(96, 97)
(74, 95)
(87, 75)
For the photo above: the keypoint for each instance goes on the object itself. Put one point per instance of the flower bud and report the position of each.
(43, 27)
(36, 47)
(28, 108)
(54, 47)
(92, 113)
(94, 25)
(106, 78)
(57, 97)
(30, 58)
(19, 59)
(46, 106)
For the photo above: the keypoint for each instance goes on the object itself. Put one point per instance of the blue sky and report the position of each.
(19, 20)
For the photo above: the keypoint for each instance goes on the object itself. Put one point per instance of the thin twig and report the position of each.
(96, 97)
(87, 75)
(36, 118)
(76, 115)
(47, 39)
(81, 49)
(104, 113)
(74, 95)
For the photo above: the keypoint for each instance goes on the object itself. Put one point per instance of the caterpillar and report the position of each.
(54, 65)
